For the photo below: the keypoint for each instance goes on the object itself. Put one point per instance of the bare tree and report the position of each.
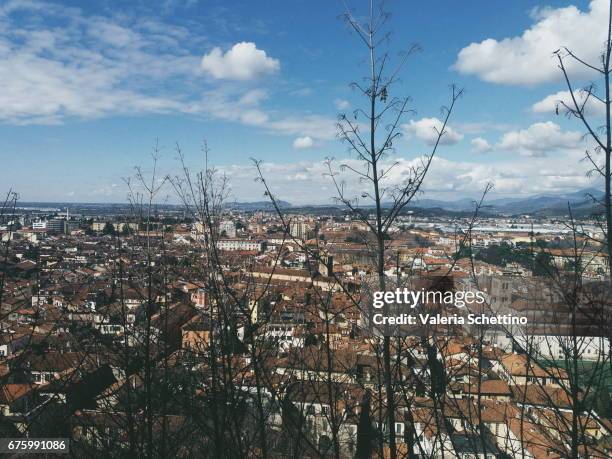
(371, 134)
(579, 107)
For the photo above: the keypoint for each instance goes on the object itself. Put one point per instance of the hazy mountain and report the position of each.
(257, 205)
(545, 203)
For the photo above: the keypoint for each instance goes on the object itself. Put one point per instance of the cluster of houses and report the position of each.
(84, 334)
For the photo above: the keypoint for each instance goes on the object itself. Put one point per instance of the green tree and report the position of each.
(463, 252)
(366, 434)
(543, 264)
(603, 404)
(108, 229)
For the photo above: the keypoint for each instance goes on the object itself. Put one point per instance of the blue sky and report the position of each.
(88, 87)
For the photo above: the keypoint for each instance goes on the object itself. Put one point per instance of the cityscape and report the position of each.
(77, 316)
(404, 298)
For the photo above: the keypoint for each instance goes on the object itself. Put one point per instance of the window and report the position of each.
(310, 409)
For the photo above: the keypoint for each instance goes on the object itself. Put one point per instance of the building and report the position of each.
(200, 298)
(99, 226)
(298, 230)
(227, 229)
(195, 335)
(57, 226)
(233, 245)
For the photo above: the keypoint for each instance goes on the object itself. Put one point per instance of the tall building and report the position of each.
(297, 230)
(56, 225)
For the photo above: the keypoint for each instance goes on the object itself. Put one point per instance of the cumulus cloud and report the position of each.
(539, 139)
(550, 103)
(303, 143)
(341, 104)
(88, 68)
(427, 129)
(527, 59)
(97, 66)
(307, 182)
(480, 145)
(242, 62)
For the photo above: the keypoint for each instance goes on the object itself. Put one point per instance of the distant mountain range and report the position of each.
(542, 205)
(581, 203)
(257, 205)
(539, 205)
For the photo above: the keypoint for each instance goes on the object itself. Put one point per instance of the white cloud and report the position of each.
(480, 145)
(427, 129)
(98, 66)
(242, 62)
(307, 181)
(113, 34)
(481, 127)
(550, 103)
(303, 143)
(226, 105)
(253, 97)
(539, 139)
(342, 104)
(254, 117)
(527, 59)
(88, 68)
(315, 126)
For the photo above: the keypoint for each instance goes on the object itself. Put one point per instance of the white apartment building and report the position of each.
(298, 229)
(239, 245)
